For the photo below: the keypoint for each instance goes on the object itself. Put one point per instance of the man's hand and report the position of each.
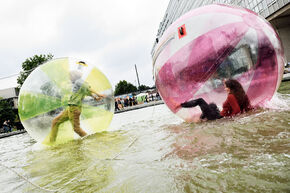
(102, 96)
(99, 97)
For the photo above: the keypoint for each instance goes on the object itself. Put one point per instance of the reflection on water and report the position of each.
(81, 164)
(247, 153)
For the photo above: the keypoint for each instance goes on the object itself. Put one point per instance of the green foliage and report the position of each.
(143, 87)
(29, 64)
(6, 111)
(124, 87)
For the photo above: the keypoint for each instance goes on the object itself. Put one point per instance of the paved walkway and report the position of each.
(152, 103)
(2, 135)
(286, 77)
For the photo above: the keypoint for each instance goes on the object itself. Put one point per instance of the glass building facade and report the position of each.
(277, 12)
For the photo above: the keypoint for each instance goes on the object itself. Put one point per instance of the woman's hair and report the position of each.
(237, 90)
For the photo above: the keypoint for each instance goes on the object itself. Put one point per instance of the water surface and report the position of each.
(152, 150)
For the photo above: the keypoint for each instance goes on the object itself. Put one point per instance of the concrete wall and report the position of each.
(8, 93)
(284, 34)
(281, 22)
(15, 102)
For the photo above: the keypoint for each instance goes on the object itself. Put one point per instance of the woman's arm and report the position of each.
(230, 106)
(234, 104)
(226, 109)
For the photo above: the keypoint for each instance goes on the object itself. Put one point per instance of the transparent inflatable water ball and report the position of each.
(65, 99)
(212, 43)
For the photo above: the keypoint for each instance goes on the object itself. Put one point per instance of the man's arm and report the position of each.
(99, 96)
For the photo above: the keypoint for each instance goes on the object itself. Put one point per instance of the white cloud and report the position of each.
(113, 34)
(34, 27)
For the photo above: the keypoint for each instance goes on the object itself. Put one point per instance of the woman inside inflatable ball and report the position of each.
(237, 102)
(217, 42)
(80, 90)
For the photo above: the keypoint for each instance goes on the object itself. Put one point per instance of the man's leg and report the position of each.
(74, 116)
(62, 117)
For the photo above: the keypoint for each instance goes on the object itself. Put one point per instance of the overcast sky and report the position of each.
(113, 34)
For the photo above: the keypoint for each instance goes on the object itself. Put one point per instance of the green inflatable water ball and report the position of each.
(65, 99)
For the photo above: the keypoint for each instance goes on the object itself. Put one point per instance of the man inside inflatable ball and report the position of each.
(80, 89)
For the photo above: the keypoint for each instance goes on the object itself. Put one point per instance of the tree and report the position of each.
(30, 64)
(124, 87)
(6, 111)
(143, 87)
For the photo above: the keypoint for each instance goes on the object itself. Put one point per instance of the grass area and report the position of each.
(284, 87)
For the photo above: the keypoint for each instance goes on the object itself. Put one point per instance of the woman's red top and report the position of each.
(230, 107)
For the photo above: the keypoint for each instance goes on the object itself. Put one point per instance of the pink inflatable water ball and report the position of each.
(210, 44)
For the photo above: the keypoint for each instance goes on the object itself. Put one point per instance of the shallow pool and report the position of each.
(152, 150)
